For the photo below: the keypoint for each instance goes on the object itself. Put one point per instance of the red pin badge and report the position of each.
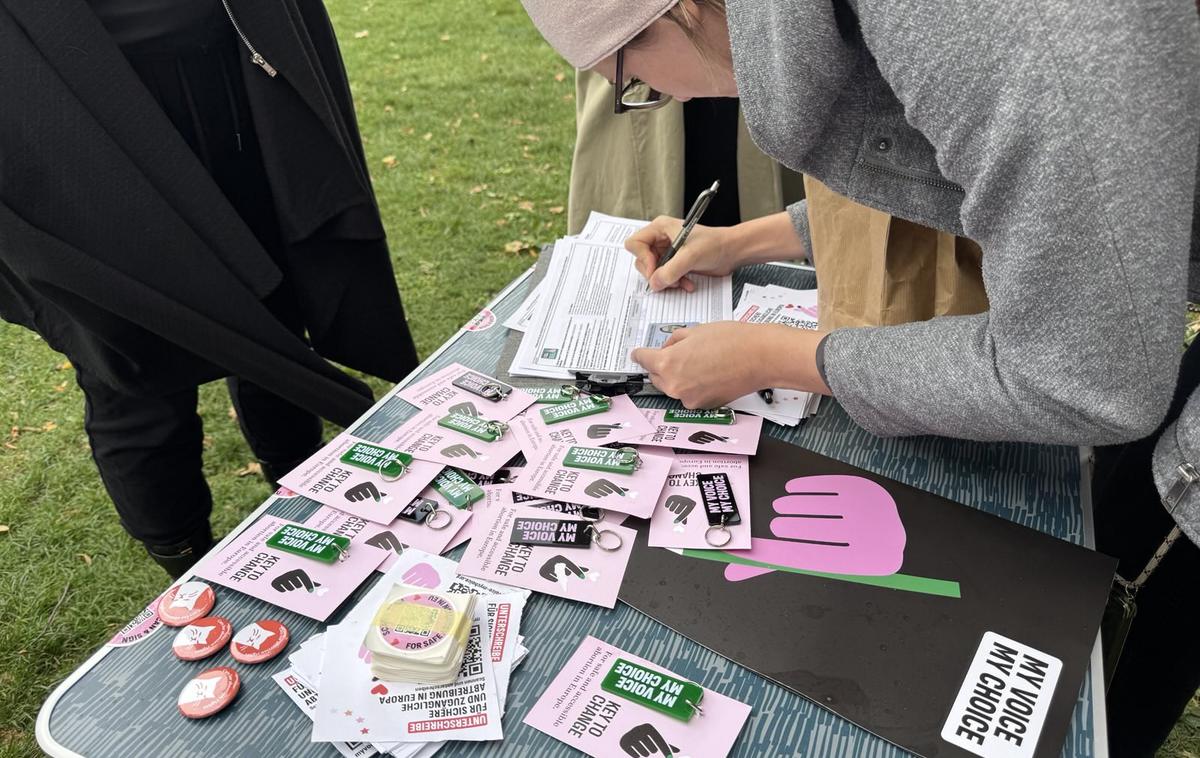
(260, 641)
(209, 692)
(202, 638)
(184, 604)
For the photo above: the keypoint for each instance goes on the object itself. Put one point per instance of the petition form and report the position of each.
(594, 308)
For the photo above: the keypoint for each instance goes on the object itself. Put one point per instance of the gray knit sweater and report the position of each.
(1061, 136)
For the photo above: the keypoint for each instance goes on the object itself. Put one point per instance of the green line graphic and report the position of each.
(905, 582)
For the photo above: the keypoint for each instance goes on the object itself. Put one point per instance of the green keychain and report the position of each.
(711, 416)
(389, 464)
(579, 407)
(473, 426)
(622, 461)
(310, 543)
(457, 488)
(678, 698)
(553, 395)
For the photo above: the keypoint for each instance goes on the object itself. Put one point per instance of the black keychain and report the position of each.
(589, 512)
(422, 510)
(716, 492)
(483, 386)
(553, 532)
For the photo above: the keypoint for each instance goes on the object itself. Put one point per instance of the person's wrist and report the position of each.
(789, 358)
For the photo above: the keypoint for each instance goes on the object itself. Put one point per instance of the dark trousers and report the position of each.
(1159, 670)
(149, 449)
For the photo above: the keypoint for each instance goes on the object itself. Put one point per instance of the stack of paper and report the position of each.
(593, 307)
(778, 305)
(357, 709)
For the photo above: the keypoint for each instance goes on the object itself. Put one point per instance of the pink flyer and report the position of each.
(422, 438)
(398, 535)
(576, 710)
(623, 422)
(739, 438)
(589, 575)
(440, 393)
(304, 585)
(634, 494)
(358, 491)
(495, 496)
(680, 519)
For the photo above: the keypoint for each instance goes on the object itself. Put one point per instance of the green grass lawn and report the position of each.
(468, 121)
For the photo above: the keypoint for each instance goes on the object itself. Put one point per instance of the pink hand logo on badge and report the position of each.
(422, 575)
(832, 524)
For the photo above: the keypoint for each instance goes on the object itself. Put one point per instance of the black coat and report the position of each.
(120, 250)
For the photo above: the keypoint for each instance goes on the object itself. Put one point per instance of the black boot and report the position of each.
(178, 558)
(273, 472)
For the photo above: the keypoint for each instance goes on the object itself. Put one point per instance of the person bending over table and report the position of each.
(1060, 136)
(183, 197)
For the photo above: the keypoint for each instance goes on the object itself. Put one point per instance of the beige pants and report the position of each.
(874, 269)
(632, 165)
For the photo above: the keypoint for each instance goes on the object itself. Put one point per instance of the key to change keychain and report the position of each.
(389, 464)
(483, 386)
(310, 543)
(552, 532)
(579, 407)
(678, 698)
(422, 510)
(589, 512)
(716, 492)
(458, 488)
(712, 416)
(553, 395)
(623, 460)
(473, 426)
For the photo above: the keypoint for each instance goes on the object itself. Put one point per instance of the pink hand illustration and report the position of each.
(833, 524)
(422, 575)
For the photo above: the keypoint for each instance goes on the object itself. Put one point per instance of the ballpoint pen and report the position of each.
(693, 216)
(767, 395)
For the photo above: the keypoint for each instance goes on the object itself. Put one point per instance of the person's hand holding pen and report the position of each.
(703, 253)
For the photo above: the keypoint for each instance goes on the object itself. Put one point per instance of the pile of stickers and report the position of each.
(419, 636)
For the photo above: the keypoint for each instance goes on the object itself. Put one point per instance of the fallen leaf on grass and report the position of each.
(253, 468)
(361, 34)
(87, 559)
(556, 209)
(478, 188)
(3, 528)
(444, 38)
(559, 76)
(60, 387)
(64, 366)
(49, 426)
(389, 161)
(525, 205)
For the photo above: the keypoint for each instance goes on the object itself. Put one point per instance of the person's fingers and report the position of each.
(676, 337)
(687, 284)
(672, 273)
(648, 358)
(648, 243)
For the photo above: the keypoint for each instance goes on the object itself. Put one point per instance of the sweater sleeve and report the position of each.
(798, 213)
(1072, 129)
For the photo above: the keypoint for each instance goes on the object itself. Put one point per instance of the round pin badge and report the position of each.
(184, 604)
(202, 638)
(260, 641)
(209, 692)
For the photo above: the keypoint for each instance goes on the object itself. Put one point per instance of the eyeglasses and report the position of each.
(636, 95)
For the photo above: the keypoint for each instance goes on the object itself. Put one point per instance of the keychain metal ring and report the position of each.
(432, 516)
(599, 535)
(570, 390)
(497, 428)
(630, 455)
(385, 477)
(493, 392)
(719, 529)
(695, 707)
(342, 554)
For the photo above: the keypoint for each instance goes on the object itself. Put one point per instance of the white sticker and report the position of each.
(1002, 704)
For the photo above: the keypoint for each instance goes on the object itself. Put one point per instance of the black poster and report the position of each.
(914, 599)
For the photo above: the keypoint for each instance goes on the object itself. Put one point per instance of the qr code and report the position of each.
(472, 664)
(458, 588)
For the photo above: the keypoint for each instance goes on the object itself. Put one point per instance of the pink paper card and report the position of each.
(304, 585)
(623, 422)
(360, 492)
(495, 496)
(589, 575)
(397, 536)
(423, 439)
(679, 519)
(633, 494)
(576, 710)
(739, 438)
(439, 393)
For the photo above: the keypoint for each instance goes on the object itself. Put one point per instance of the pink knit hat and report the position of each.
(586, 32)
